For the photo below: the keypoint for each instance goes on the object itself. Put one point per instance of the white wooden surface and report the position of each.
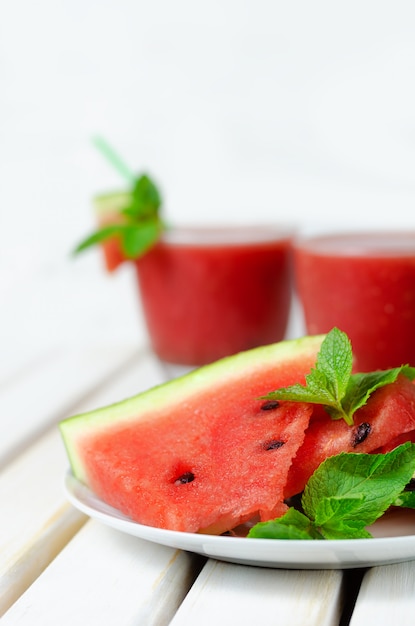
(58, 567)
(39, 521)
(387, 595)
(54, 383)
(106, 578)
(36, 522)
(236, 594)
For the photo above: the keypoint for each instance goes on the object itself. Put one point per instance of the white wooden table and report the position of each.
(58, 567)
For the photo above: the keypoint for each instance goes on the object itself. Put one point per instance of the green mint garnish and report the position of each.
(347, 493)
(292, 525)
(332, 384)
(406, 499)
(141, 224)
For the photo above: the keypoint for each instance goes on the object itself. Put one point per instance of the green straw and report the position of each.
(114, 159)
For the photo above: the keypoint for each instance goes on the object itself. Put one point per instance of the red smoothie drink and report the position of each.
(211, 292)
(363, 283)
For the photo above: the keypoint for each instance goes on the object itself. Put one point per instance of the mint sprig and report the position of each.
(347, 493)
(141, 224)
(332, 384)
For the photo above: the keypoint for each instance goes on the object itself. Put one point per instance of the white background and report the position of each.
(264, 110)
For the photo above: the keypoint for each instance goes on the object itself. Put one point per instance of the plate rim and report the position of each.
(116, 519)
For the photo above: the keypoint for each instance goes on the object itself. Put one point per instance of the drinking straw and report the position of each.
(114, 159)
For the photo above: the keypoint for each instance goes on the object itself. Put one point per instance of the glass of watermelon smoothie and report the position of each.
(363, 283)
(209, 292)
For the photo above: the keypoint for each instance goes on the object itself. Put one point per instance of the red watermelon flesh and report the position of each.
(387, 420)
(113, 254)
(397, 441)
(194, 488)
(201, 453)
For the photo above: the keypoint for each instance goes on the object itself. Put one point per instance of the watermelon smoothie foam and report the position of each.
(363, 283)
(211, 292)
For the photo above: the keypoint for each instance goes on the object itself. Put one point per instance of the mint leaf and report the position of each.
(141, 224)
(327, 382)
(332, 384)
(354, 490)
(361, 386)
(406, 499)
(339, 517)
(98, 237)
(146, 200)
(292, 525)
(335, 361)
(139, 238)
(329, 509)
(347, 493)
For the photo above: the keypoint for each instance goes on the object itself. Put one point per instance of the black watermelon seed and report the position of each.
(269, 405)
(360, 433)
(274, 444)
(185, 478)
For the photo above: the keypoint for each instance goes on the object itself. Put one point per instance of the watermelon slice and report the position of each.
(201, 453)
(107, 211)
(204, 453)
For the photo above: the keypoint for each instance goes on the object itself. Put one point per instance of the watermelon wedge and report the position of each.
(108, 209)
(201, 453)
(204, 452)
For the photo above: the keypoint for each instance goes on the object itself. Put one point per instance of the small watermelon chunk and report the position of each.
(108, 209)
(387, 420)
(202, 453)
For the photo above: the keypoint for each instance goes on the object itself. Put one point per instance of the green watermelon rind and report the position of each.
(227, 370)
(110, 203)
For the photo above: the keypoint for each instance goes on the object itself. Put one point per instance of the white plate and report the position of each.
(393, 542)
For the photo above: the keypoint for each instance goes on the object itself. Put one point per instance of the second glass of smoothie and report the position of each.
(363, 283)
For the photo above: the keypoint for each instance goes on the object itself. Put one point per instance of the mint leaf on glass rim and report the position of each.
(136, 239)
(99, 236)
(146, 199)
(332, 384)
(139, 224)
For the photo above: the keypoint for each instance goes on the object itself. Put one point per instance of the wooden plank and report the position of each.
(51, 388)
(387, 595)
(104, 577)
(38, 521)
(65, 305)
(237, 594)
